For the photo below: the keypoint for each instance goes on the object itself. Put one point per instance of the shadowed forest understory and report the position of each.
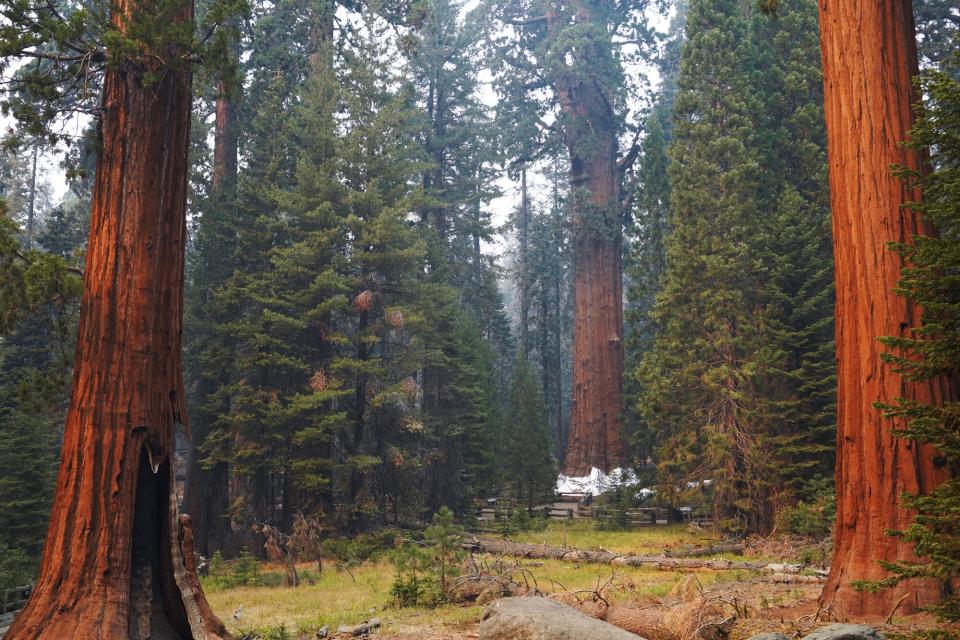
(336, 318)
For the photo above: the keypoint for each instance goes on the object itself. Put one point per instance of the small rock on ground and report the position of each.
(769, 635)
(844, 632)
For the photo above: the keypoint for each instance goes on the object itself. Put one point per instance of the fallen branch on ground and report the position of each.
(699, 552)
(546, 552)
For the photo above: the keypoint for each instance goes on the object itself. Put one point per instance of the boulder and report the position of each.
(844, 632)
(542, 619)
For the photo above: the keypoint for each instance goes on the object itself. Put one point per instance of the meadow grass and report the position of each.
(338, 597)
(582, 534)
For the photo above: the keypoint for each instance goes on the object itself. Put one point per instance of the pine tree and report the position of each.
(798, 292)
(38, 303)
(549, 289)
(938, 28)
(699, 380)
(929, 351)
(645, 254)
(529, 464)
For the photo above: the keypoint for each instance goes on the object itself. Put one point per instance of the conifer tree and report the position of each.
(549, 290)
(929, 351)
(38, 303)
(798, 292)
(645, 254)
(874, 468)
(699, 380)
(530, 466)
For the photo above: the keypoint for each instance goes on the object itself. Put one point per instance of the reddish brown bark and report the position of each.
(117, 561)
(869, 58)
(590, 136)
(224, 175)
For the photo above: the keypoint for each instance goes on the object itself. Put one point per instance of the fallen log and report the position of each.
(794, 578)
(700, 552)
(546, 552)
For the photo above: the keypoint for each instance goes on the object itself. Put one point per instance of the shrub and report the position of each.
(244, 571)
(422, 569)
(17, 568)
(278, 632)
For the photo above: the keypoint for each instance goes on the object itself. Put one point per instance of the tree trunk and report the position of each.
(590, 134)
(207, 494)
(594, 438)
(524, 229)
(556, 409)
(869, 58)
(118, 561)
(225, 141)
(32, 200)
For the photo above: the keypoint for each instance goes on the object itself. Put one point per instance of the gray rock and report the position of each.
(542, 619)
(844, 632)
(769, 635)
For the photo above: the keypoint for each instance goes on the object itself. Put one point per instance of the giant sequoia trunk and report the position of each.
(118, 561)
(590, 135)
(869, 57)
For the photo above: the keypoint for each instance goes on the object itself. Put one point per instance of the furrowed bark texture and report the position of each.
(590, 136)
(869, 58)
(117, 561)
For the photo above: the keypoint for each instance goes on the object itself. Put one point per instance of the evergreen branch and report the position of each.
(96, 55)
(625, 163)
(527, 22)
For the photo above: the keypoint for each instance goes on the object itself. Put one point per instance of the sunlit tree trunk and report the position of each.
(118, 560)
(869, 58)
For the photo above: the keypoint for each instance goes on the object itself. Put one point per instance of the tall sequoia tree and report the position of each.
(575, 50)
(118, 561)
(869, 58)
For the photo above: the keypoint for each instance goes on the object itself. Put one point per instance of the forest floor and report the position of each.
(338, 596)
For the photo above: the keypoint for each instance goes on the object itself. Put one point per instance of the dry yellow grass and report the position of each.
(641, 540)
(335, 598)
(339, 597)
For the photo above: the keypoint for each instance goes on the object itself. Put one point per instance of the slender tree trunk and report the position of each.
(560, 436)
(32, 203)
(207, 494)
(225, 141)
(118, 561)
(557, 411)
(869, 58)
(524, 266)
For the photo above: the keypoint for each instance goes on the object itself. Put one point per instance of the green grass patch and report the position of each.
(582, 534)
(336, 597)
